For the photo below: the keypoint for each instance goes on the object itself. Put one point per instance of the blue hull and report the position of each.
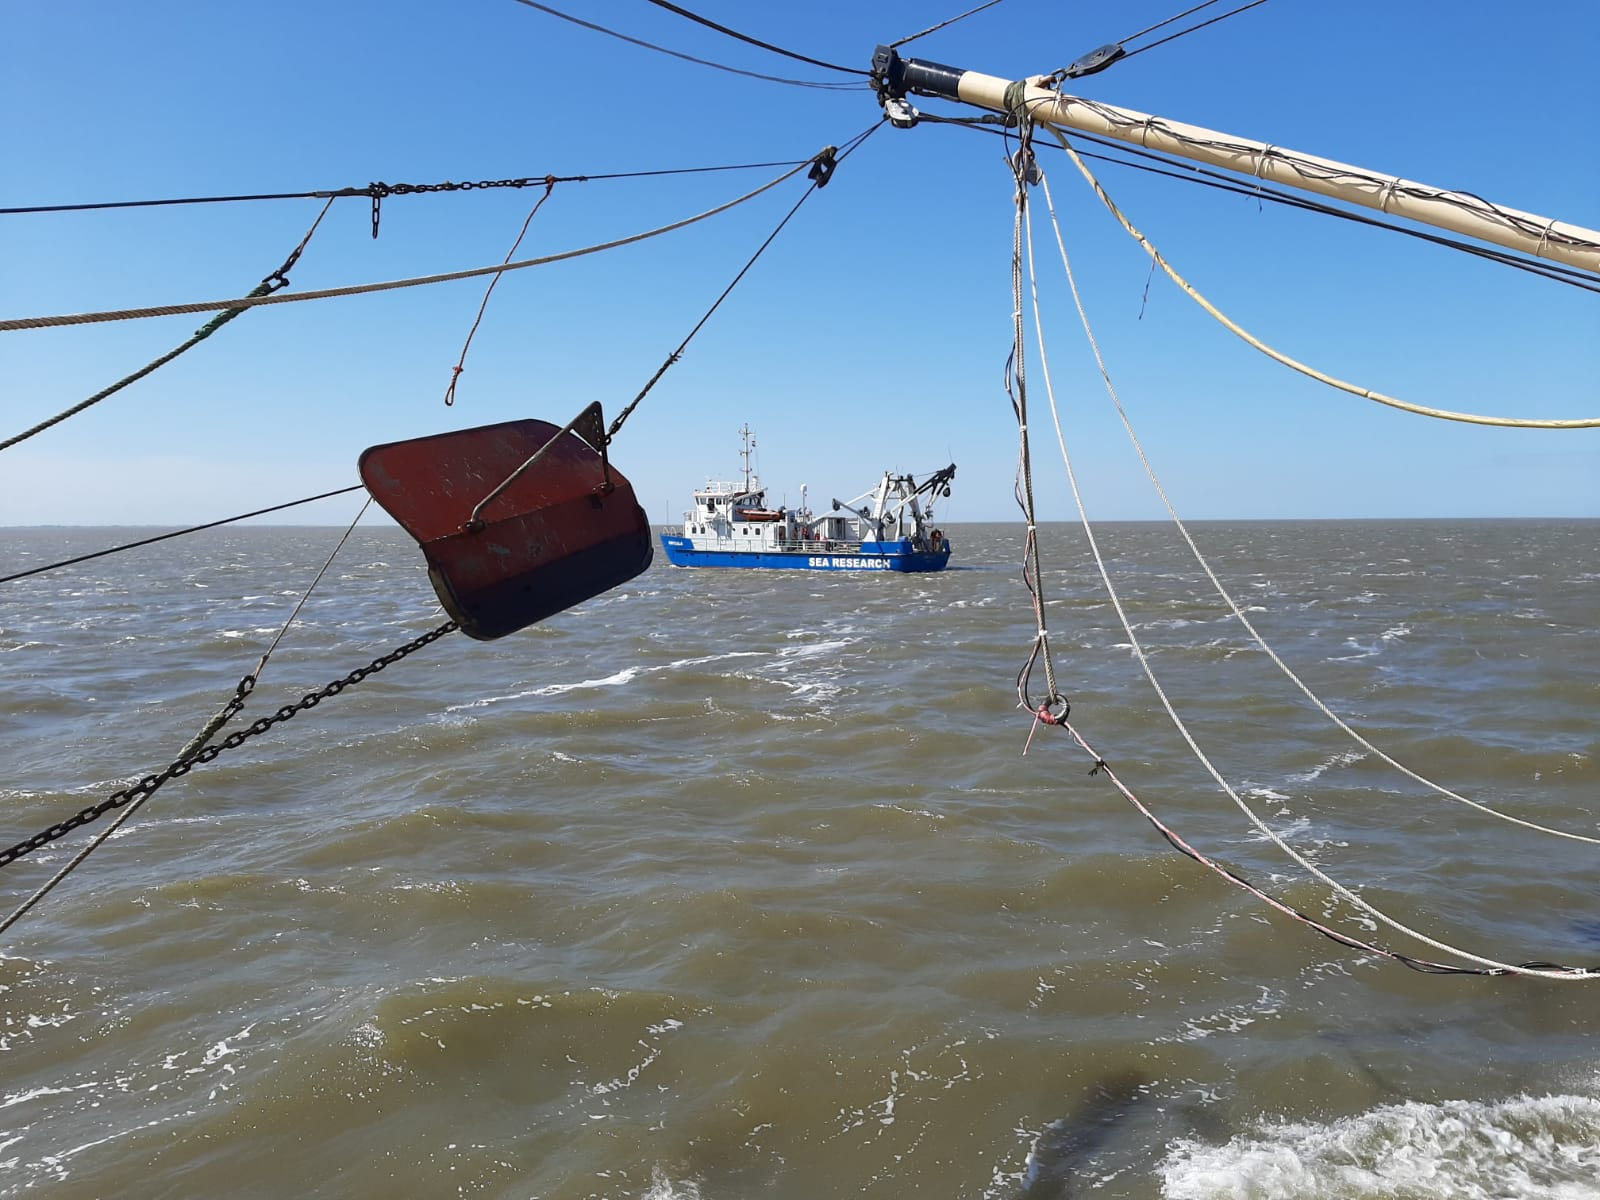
(681, 553)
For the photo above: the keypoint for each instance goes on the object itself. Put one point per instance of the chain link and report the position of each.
(378, 190)
(183, 766)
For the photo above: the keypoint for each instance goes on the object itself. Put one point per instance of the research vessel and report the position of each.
(887, 528)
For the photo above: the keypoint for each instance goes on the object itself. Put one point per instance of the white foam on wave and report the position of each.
(624, 676)
(813, 649)
(662, 1187)
(1342, 758)
(1516, 1149)
(1360, 652)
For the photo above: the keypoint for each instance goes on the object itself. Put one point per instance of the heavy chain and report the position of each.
(184, 765)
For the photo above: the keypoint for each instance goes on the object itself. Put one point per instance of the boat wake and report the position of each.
(1515, 1149)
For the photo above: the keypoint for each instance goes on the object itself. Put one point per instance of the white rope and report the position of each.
(168, 310)
(1233, 605)
(1172, 713)
(1294, 364)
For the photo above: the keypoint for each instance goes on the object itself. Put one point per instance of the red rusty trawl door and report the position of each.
(518, 521)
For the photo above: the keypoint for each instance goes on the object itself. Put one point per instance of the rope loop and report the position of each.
(1048, 714)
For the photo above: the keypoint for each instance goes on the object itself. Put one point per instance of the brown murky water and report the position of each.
(737, 884)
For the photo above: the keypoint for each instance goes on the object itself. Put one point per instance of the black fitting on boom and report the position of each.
(895, 77)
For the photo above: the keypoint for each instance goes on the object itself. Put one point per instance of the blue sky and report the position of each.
(872, 335)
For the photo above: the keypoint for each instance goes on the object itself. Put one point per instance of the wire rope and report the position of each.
(747, 39)
(167, 310)
(1193, 173)
(1548, 972)
(1188, 12)
(68, 562)
(819, 179)
(194, 746)
(703, 62)
(1227, 597)
(383, 191)
(461, 363)
(278, 279)
(1293, 363)
(971, 12)
(1193, 28)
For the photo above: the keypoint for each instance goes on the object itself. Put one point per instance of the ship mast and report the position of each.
(1460, 212)
(745, 454)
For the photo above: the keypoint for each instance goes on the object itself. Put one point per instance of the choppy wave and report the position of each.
(738, 887)
(1522, 1148)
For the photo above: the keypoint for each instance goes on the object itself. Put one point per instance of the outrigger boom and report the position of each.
(1460, 212)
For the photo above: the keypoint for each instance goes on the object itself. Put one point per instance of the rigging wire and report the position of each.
(733, 33)
(1227, 597)
(1055, 706)
(1323, 173)
(195, 744)
(1184, 32)
(820, 175)
(1542, 970)
(269, 285)
(704, 62)
(1295, 364)
(944, 24)
(1185, 172)
(167, 310)
(461, 363)
(382, 191)
(1188, 12)
(127, 795)
(197, 750)
(1423, 965)
(162, 537)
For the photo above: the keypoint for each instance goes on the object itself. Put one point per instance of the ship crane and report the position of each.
(896, 494)
(864, 513)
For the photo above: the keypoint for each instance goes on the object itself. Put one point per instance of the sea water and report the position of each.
(739, 884)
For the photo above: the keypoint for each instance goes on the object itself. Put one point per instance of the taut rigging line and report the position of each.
(382, 191)
(168, 310)
(1186, 172)
(1462, 212)
(200, 750)
(705, 62)
(278, 279)
(1293, 363)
